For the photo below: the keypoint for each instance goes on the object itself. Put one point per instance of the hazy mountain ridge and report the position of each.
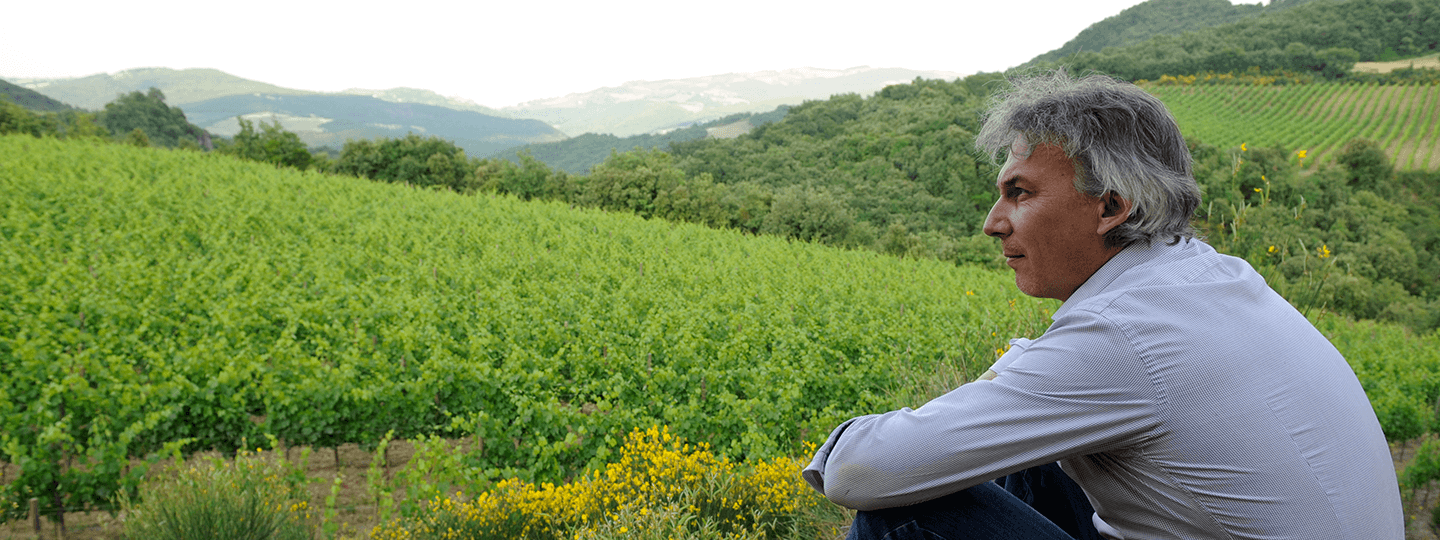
(425, 97)
(649, 106)
(31, 99)
(632, 108)
(328, 120)
(180, 86)
(213, 99)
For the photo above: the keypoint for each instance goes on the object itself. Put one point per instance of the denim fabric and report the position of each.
(1040, 503)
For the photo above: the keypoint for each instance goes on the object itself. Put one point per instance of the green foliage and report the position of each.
(900, 157)
(155, 297)
(245, 499)
(415, 160)
(1424, 469)
(272, 145)
(1320, 119)
(70, 123)
(30, 99)
(1323, 37)
(1159, 17)
(147, 112)
(630, 181)
(16, 119)
(809, 215)
(1365, 163)
(531, 179)
(137, 138)
(577, 155)
(1324, 239)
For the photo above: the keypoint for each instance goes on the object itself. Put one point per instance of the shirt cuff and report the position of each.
(814, 473)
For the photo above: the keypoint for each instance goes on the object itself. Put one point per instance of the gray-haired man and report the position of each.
(1184, 396)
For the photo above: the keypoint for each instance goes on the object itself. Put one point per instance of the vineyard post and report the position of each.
(55, 485)
(35, 514)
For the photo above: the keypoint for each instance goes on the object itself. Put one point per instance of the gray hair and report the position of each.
(1120, 138)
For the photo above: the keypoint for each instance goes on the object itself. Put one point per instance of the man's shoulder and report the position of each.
(1170, 274)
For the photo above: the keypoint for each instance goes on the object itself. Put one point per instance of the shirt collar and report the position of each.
(1133, 255)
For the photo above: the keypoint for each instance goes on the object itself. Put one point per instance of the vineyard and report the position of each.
(155, 302)
(1318, 118)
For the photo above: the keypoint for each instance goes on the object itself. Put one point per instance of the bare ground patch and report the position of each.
(1431, 61)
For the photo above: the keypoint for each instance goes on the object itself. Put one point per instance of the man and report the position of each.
(1184, 396)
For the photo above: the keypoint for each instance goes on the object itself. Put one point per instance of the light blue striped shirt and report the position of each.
(1185, 396)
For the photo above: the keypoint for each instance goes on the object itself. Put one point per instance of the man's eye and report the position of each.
(1015, 192)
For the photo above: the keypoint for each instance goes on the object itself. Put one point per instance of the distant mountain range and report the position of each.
(31, 99)
(212, 99)
(329, 120)
(658, 106)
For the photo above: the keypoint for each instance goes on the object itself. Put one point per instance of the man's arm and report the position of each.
(1079, 390)
(814, 473)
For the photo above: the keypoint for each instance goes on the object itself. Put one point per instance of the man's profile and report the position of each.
(1179, 394)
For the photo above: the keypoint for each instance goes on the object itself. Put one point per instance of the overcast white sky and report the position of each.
(503, 53)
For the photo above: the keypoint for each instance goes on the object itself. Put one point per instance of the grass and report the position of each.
(246, 498)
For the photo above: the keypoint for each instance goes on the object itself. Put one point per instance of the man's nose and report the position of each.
(997, 223)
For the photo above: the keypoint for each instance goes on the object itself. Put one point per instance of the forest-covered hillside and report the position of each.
(1326, 37)
(30, 99)
(576, 155)
(1160, 17)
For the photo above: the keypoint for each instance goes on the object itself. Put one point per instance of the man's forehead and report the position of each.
(1022, 150)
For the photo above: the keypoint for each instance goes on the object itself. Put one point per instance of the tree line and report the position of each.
(1325, 38)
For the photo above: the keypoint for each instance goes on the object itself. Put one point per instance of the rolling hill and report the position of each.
(1317, 118)
(328, 120)
(1159, 17)
(31, 99)
(650, 106)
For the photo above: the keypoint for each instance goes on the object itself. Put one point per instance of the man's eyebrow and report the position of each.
(1006, 184)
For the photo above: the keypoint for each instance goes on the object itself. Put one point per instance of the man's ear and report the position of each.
(1114, 210)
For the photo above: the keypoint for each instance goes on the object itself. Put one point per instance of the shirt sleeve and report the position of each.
(1078, 390)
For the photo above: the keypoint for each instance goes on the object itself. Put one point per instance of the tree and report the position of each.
(530, 180)
(15, 119)
(137, 137)
(810, 215)
(148, 112)
(631, 181)
(1366, 164)
(1335, 62)
(416, 160)
(272, 145)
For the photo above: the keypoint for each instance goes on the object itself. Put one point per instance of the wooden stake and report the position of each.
(35, 515)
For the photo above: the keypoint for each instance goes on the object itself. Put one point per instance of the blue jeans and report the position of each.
(1037, 503)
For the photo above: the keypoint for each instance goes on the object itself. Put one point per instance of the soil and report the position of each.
(1432, 61)
(357, 513)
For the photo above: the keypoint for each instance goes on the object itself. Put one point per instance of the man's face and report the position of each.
(1052, 235)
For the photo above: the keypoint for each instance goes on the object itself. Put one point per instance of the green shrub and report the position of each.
(247, 498)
